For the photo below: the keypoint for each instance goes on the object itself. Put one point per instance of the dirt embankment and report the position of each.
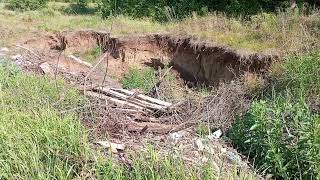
(197, 62)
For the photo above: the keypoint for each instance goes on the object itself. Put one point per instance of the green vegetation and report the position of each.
(281, 131)
(91, 55)
(168, 10)
(285, 32)
(156, 168)
(38, 142)
(143, 79)
(175, 9)
(24, 5)
(152, 165)
(83, 4)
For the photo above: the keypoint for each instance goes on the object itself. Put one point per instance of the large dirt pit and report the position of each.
(197, 62)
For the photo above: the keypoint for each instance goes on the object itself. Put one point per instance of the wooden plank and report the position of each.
(144, 97)
(114, 100)
(133, 100)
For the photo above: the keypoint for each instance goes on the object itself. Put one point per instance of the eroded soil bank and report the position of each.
(196, 62)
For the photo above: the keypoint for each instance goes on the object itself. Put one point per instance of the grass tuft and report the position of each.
(143, 79)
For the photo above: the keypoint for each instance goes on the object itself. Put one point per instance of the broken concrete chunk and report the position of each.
(114, 146)
(17, 57)
(46, 68)
(216, 135)
(199, 145)
(233, 157)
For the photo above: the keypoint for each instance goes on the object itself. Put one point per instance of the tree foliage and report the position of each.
(163, 10)
(82, 4)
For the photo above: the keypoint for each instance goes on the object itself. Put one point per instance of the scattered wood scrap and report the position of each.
(150, 127)
(138, 108)
(129, 99)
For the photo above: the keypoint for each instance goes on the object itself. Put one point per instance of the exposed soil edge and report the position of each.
(200, 62)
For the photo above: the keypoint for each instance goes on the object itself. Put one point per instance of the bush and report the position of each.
(281, 136)
(82, 4)
(282, 132)
(26, 4)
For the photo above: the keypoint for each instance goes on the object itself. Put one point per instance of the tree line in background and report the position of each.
(164, 10)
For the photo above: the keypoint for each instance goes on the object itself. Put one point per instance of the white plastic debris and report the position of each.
(177, 136)
(204, 159)
(223, 150)
(216, 135)
(114, 146)
(4, 49)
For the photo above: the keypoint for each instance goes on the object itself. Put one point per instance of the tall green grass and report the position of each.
(36, 141)
(152, 165)
(281, 132)
(143, 79)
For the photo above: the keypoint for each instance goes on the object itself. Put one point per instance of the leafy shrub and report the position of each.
(281, 137)
(26, 4)
(82, 4)
(281, 132)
